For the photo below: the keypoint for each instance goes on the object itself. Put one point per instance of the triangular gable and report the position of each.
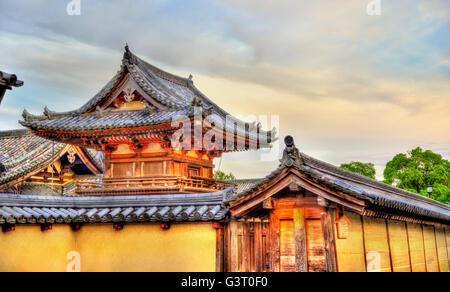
(293, 180)
(130, 95)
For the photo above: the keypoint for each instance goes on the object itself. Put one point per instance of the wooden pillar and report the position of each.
(234, 247)
(275, 243)
(219, 247)
(328, 220)
(301, 257)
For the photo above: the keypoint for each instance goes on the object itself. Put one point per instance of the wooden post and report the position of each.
(329, 239)
(301, 257)
(234, 247)
(219, 248)
(275, 243)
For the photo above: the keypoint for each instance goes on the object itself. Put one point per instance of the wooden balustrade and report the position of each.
(144, 185)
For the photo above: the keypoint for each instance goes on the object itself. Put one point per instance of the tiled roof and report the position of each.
(176, 94)
(375, 193)
(155, 208)
(109, 120)
(21, 153)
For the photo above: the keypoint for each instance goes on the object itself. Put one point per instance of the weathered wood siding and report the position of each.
(373, 244)
(247, 246)
(431, 258)
(378, 256)
(416, 248)
(398, 241)
(442, 249)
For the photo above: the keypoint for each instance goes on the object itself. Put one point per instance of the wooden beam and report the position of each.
(219, 250)
(301, 257)
(330, 242)
(274, 243)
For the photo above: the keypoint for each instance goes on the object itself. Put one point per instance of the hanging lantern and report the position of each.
(165, 226)
(8, 228)
(46, 227)
(75, 227)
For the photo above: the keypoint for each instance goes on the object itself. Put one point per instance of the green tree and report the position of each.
(366, 169)
(417, 170)
(220, 175)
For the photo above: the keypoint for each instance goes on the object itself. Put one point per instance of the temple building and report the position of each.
(124, 183)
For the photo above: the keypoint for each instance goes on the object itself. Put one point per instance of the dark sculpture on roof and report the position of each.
(291, 155)
(8, 81)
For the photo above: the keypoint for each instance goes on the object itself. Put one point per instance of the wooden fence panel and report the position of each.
(398, 239)
(430, 249)
(442, 250)
(416, 248)
(350, 251)
(377, 246)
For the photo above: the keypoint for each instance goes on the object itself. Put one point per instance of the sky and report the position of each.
(346, 85)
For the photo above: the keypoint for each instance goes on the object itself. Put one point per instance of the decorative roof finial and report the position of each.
(190, 81)
(291, 155)
(128, 55)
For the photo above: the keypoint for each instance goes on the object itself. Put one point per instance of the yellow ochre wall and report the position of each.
(386, 245)
(139, 247)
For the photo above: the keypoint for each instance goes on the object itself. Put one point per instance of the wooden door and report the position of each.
(315, 245)
(293, 251)
(287, 246)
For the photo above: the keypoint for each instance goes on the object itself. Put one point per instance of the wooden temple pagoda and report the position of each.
(137, 203)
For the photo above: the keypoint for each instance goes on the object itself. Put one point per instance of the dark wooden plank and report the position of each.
(219, 250)
(301, 260)
(259, 255)
(287, 246)
(274, 243)
(329, 239)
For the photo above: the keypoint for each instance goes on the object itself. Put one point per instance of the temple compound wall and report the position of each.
(138, 247)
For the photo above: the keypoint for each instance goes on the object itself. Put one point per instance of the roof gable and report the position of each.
(24, 154)
(380, 199)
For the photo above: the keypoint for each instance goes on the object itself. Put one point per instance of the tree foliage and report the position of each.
(220, 175)
(417, 170)
(366, 169)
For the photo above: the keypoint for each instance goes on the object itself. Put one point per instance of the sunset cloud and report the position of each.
(348, 86)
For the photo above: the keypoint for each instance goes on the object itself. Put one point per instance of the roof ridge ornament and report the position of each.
(190, 81)
(128, 55)
(100, 113)
(291, 154)
(48, 113)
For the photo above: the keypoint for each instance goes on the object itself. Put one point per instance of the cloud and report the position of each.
(347, 85)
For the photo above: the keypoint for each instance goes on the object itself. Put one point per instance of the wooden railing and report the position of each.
(149, 185)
